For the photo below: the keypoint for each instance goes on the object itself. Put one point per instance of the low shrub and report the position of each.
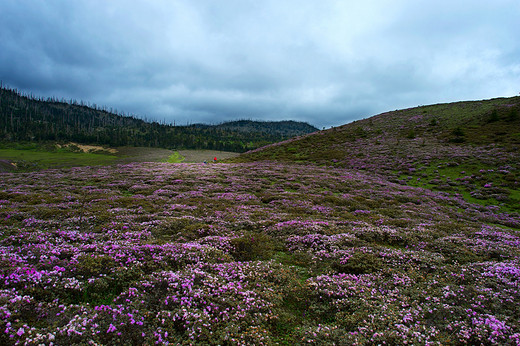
(252, 246)
(359, 263)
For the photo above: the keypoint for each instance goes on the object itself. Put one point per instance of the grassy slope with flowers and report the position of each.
(467, 148)
(273, 252)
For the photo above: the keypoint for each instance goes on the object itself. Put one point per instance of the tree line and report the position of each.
(28, 118)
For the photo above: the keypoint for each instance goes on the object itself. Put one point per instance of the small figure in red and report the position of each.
(214, 159)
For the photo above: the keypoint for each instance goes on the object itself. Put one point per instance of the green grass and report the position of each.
(442, 172)
(175, 158)
(34, 159)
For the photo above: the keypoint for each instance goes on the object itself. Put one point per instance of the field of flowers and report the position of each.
(252, 253)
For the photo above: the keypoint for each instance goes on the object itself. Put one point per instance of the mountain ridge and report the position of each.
(26, 118)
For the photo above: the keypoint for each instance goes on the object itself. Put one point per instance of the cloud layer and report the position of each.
(325, 62)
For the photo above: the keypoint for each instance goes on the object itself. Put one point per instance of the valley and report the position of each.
(400, 227)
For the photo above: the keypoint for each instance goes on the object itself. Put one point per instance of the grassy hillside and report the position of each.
(469, 148)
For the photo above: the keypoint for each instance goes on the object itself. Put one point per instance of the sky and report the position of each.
(324, 62)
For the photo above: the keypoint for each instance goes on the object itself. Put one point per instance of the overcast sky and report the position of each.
(321, 61)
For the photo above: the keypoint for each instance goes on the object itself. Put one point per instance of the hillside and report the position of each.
(470, 148)
(25, 118)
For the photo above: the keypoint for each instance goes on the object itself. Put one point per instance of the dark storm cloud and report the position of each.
(326, 62)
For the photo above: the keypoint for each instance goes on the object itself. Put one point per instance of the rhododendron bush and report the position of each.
(256, 253)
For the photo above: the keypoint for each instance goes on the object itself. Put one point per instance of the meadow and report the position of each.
(259, 253)
(33, 159)
(26, 157)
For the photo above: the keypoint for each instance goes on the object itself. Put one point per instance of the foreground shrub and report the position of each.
(252, 246)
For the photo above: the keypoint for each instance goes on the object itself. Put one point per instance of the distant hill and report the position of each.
(456, 147)
(287, 128)
(25, 118)
(284, 128)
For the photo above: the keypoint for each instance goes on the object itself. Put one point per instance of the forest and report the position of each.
(25, 118)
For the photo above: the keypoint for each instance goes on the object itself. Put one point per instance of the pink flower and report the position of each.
(111, 328)
(20, 331)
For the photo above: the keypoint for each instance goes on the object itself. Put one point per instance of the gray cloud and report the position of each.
(327, 62)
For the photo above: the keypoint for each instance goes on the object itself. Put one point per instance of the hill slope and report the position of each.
(471, 148)
(287, 128)
(24, 118)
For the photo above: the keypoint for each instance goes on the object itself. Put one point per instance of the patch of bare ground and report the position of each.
(88, 148)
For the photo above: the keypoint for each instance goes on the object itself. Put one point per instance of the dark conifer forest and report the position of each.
(25, 118)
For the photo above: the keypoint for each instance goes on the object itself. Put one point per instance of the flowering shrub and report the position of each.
(260, 253)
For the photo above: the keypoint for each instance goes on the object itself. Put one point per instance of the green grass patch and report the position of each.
(175, 158)
(466, 178)
(485, 202)
(34, 159)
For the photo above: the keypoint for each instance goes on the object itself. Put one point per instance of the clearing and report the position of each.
(34, 158)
